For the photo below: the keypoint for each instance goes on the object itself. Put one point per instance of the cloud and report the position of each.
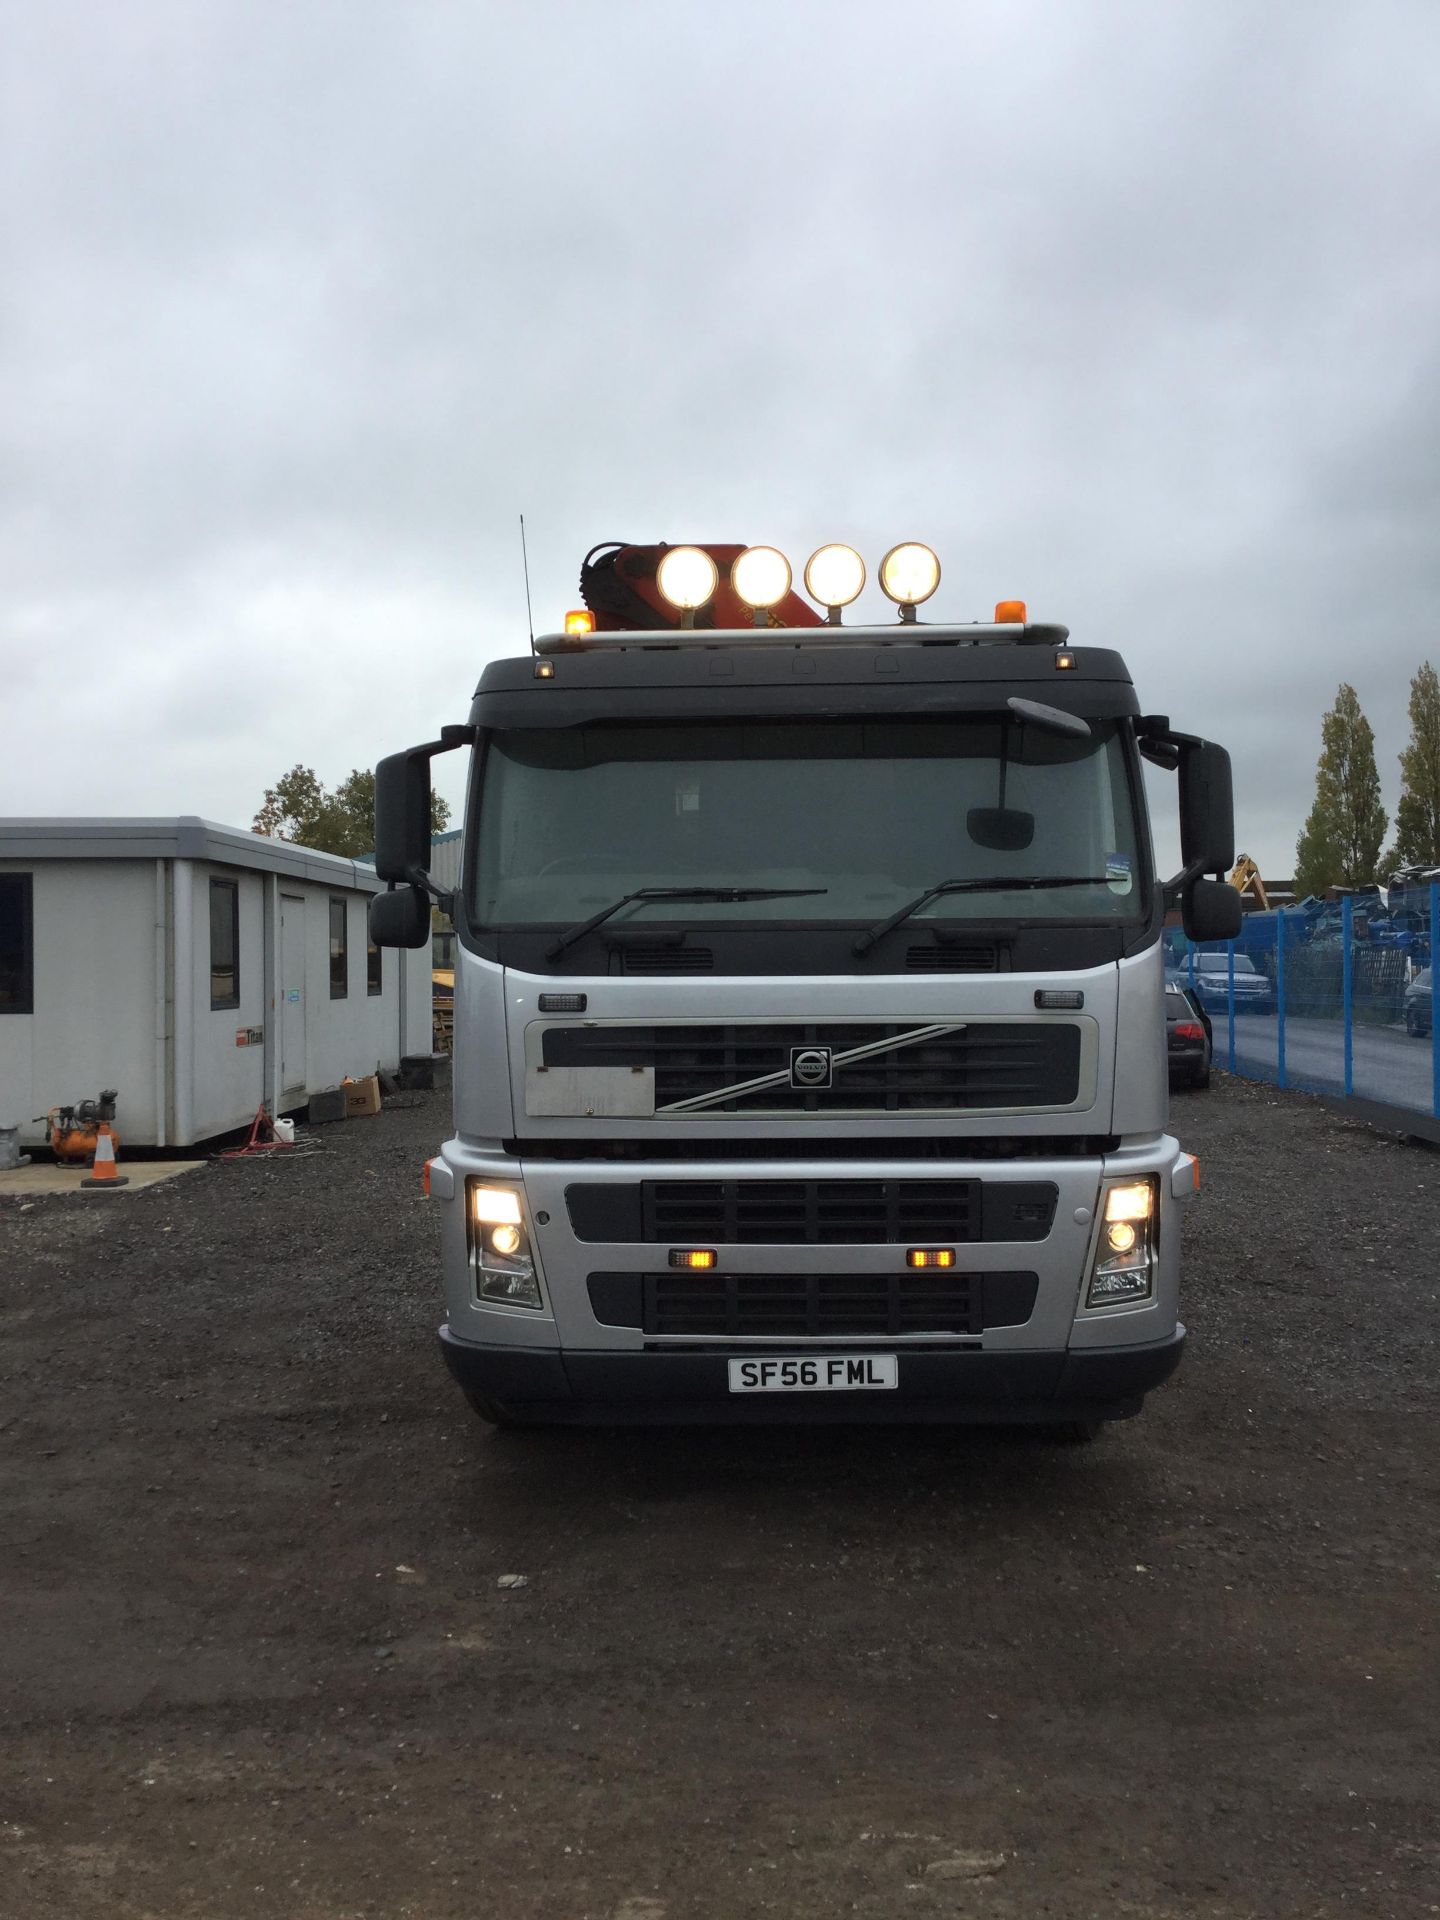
(1129, 310)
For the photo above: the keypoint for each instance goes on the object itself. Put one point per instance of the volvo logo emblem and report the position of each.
(811, 1066)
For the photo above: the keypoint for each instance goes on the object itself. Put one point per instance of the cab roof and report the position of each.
(792, 673)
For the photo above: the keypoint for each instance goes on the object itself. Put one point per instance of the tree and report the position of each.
(299, 808)
(1340, 843)
(1417, 818)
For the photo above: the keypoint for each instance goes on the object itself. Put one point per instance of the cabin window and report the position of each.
(339, 950)
(17, 944)
(224, 944)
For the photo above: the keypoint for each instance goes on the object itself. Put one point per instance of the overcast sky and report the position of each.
(1130, 310)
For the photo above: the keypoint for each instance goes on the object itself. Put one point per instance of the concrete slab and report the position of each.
(44, 1176)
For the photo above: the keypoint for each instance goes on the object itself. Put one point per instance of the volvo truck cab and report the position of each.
(809, 1046)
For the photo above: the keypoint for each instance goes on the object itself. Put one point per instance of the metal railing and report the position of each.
(1330, 998)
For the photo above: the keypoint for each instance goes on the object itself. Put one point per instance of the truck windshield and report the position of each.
(872, 812)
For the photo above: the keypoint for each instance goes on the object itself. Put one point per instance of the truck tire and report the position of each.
(1074, 1433)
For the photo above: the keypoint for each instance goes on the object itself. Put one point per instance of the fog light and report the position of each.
(687, 577)
(909, 574)
(761, 577)
(834, 576)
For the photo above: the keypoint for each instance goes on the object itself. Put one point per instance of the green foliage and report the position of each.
(299, 808)
(1340, 842)
(1417, 818)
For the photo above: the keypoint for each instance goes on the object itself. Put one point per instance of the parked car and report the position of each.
(1418, 1005)
(1188, 1039)
(1254, 992)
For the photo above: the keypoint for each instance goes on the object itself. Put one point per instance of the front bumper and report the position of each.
(664, 1387)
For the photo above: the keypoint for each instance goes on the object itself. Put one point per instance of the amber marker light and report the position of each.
(1009, 613)
(930, 1257)
(579, 621)
(692, 1257)
(1064, 660)
(425, 1179)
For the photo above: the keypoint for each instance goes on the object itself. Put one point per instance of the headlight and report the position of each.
(761, 577)
(500, 1252)
(909, 573)
(1124, 1266)
(834, 576)
(687, 577)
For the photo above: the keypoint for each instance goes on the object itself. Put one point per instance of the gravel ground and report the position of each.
(258, 1662)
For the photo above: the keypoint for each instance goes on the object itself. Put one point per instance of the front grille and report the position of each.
(811, 1306)
(810, 1212)
(997, 1064)
(825, 1213)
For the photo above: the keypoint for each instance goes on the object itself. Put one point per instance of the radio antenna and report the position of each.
(525, 561)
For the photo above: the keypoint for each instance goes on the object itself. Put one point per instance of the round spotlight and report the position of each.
(909, 574)
(687, 577)
(834, 576)
(761, 576)
(505, 1240)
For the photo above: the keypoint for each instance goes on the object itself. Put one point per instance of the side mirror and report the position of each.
(400, 918)
(1211, 910)
(1003, 829)
(402, 818)
(1207, 810)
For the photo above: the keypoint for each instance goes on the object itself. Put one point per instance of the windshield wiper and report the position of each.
(572, 934)
(1001, 883)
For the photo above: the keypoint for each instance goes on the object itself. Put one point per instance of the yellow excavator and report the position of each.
(1245, 878)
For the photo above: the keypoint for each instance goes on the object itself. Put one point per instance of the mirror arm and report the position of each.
(450, 738)
(1174, 891)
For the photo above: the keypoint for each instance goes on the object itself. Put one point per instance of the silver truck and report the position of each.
(809, 1045)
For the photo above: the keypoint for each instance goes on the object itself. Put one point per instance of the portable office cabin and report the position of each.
(198, 969)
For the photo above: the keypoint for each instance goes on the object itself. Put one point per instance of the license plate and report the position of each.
(826, 1373)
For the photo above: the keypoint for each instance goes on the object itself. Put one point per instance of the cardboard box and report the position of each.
(362, 1096)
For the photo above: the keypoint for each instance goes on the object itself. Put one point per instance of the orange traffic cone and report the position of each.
(104, 1173)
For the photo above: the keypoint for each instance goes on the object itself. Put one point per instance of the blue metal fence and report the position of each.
(1339, 998)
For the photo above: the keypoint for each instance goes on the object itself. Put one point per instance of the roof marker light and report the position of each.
(1009, 613)
(579, 620)
(761, 578)
(687, 577)
(909, 574)
(1064, 660)
(834, 576)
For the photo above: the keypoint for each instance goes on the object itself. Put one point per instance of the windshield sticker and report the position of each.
(1117, 872)
(687, 797)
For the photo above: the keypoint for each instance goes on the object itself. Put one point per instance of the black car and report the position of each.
(1417, 1005)
(1188, 1039)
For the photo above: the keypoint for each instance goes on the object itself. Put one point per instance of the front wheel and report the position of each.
(1412, 1024)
